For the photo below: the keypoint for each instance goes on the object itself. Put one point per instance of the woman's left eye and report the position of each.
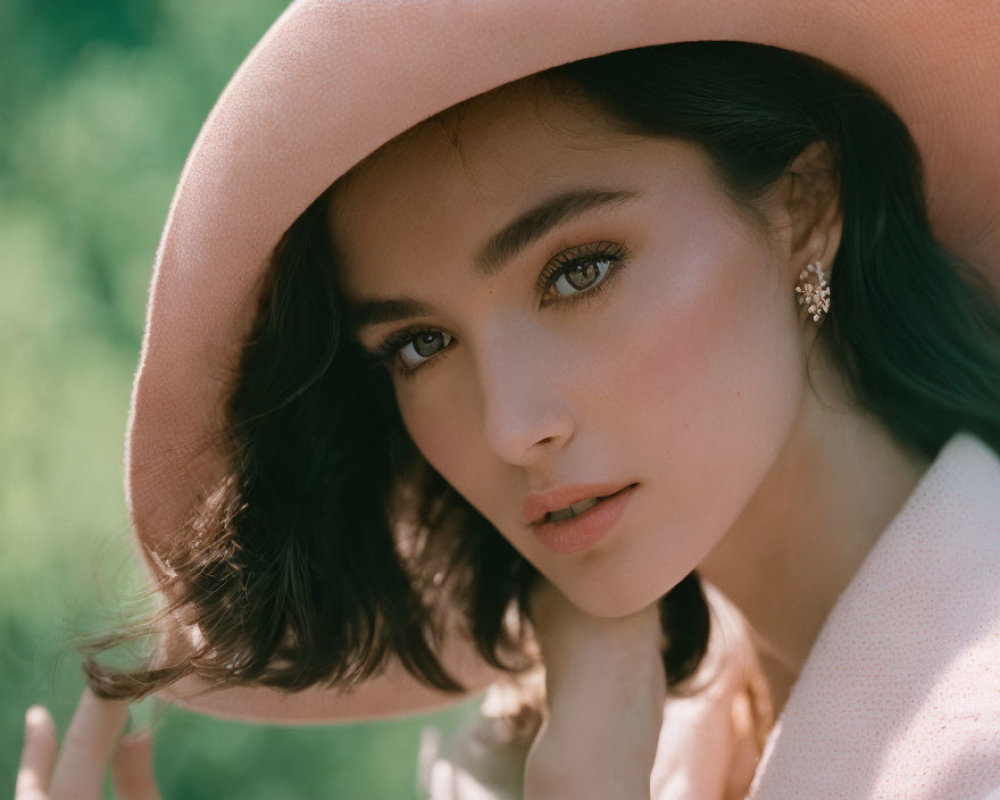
(581, 270)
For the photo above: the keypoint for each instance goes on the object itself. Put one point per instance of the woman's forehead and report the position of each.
(542, 94)
(480, 140)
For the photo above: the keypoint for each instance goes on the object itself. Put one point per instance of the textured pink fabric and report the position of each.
(332, 81)
(900, 695)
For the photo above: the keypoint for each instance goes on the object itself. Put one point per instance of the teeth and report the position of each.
(571, 511)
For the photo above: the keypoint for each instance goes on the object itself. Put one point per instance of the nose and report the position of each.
(525, 402)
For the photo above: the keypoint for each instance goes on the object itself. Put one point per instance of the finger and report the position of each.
(87, 747)
(38, 756)
(132, 768)
(745, 754)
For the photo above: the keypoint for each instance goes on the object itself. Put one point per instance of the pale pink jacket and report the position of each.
(899, 698)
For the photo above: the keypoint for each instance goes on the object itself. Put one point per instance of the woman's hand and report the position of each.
(91, 741)
(605, 687)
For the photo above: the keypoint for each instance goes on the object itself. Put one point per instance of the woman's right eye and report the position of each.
(412, 348)
(422, 346)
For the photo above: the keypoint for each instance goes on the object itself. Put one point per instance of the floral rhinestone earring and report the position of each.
(814, 295)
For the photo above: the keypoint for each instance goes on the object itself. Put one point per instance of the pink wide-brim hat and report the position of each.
(332, 81)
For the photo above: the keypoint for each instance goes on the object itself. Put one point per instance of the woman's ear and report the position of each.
(807, 205)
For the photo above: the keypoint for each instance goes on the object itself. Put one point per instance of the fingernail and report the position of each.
(34, 717)
(136, 737)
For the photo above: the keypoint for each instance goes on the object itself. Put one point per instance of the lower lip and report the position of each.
(573, 535)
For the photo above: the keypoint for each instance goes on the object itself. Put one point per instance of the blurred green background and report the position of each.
(99, 104)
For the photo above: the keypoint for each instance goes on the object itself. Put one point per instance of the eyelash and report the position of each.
(562, 264)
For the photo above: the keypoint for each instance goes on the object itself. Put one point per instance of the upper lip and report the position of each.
(538, 504)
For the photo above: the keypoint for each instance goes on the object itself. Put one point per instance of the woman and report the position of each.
(688, 294)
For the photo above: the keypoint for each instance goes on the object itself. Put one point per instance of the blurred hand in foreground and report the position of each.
(90, 744)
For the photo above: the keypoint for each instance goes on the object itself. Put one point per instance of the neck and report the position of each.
(836, 485)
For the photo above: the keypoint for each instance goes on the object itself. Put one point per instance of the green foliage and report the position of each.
(99, 104)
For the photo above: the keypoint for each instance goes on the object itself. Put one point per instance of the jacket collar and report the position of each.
(900, 694)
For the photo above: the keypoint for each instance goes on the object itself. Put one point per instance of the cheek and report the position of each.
(442, 418)
(718, 367)
(708, 390)
(421, 410)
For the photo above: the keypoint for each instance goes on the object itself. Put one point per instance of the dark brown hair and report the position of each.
(333, 545)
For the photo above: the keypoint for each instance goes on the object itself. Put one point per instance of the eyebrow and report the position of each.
(497, 250)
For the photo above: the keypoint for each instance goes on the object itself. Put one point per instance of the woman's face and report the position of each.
(637, 330)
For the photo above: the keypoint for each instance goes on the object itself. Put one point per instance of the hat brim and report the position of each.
(331, 82)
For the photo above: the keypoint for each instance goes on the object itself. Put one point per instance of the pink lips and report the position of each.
(536, 506)
(584, 530)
